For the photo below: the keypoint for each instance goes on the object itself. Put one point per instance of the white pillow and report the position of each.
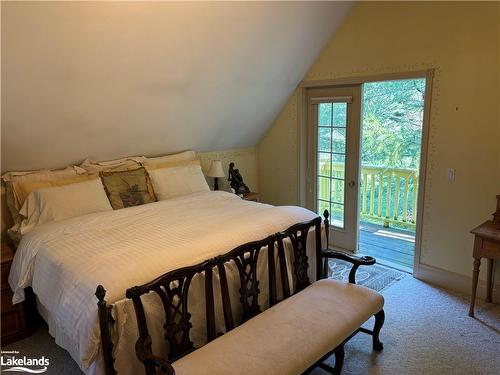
(64, 202)
(176, 181)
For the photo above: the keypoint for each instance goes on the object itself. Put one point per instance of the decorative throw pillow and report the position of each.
(128, 188)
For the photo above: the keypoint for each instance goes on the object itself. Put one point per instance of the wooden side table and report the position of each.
(14, 325)
(486, 245)
(251, 196)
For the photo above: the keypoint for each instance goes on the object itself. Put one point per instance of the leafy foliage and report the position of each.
(392, 123)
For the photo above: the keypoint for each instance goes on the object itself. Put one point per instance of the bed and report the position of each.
(64, 261)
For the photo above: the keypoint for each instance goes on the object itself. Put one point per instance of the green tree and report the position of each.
(392, 123)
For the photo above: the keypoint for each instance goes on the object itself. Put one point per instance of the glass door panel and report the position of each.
(331, 160)
(334, 128)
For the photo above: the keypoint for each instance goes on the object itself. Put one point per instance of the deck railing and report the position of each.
(387, 195)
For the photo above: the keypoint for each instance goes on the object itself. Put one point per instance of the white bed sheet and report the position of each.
(65, 261)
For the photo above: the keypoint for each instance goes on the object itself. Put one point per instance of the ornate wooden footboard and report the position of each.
(173, 287)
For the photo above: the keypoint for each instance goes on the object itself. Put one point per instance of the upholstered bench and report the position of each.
(289, 337)
(305, 323)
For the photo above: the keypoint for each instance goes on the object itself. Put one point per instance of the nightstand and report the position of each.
(251, 196)
(14, 325)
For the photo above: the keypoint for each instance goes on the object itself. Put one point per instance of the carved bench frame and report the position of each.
(173, 288)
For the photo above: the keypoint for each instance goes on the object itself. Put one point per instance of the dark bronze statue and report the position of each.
(236, 180)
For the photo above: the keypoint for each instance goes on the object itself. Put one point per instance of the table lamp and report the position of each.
(216, 171)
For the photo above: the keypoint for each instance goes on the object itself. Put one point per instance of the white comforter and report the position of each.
(65, 261)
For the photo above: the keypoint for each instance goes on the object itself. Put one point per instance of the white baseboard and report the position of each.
(454, 281)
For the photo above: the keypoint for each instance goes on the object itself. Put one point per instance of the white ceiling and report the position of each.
(106, 80)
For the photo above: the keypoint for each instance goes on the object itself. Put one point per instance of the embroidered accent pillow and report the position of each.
(128, 188)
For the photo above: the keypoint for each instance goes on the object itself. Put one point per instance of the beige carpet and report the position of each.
(427, 331)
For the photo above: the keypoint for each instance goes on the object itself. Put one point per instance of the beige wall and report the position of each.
(107, 79)
(461, 41)
(245, 159)
(277, 158)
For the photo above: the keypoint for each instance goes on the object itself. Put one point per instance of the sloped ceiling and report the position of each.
(106, 80)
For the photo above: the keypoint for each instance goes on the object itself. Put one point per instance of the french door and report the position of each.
(333, 160)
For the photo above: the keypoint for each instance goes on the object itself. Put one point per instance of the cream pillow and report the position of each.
(170, 164)
(174, 158)
(176, 181)
(42, 174)
(22, 188)
(14, 178)
(64, 202)
(117, 165)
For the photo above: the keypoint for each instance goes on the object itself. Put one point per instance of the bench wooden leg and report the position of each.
(339, 359)
(379, 322)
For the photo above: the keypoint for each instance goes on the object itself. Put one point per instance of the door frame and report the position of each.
(302, 138)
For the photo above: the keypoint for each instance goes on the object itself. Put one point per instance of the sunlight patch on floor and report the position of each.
(398, 236)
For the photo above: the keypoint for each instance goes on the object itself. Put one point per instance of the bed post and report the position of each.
(326, 215)
(326, 222)
(105, 319)
(319, 247)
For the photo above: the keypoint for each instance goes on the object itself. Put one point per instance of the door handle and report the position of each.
(351, 184)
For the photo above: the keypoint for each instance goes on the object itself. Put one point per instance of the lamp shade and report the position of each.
(216, 169)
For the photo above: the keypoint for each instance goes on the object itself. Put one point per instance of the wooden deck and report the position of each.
(392, 247)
